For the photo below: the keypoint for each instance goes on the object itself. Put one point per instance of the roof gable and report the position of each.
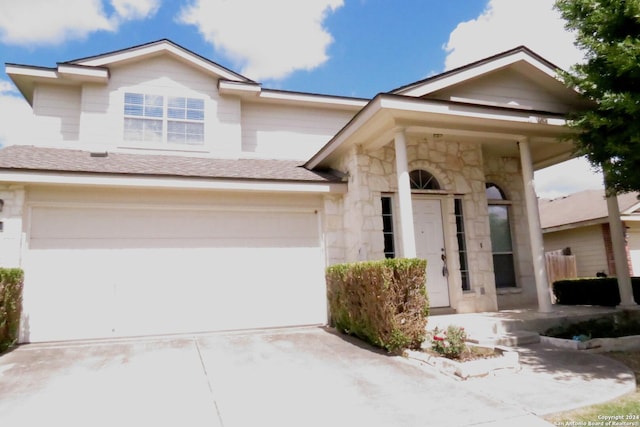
(160, 47)
(96, 69)
(518, 79)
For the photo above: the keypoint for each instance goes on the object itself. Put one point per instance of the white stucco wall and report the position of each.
(11, 236)
(289, 131)
(506, 173)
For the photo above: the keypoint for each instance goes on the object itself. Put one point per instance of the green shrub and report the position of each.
(592, 291)
(449, 343)
(382, 302)
(596, 328)
(11, 283)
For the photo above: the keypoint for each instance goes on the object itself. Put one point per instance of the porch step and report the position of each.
(509, 339)
(477, 324)
(440, 311)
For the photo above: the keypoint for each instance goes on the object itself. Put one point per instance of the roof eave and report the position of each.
(25, 77)
(46, 177)
(255, 93)
(574, 225)
(389, 108)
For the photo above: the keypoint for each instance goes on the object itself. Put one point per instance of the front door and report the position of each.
(427, 218)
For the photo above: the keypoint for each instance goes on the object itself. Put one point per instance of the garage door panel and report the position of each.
(634, 252)
(141, 284)
(141, 224)
(67, 292)
(228, 288)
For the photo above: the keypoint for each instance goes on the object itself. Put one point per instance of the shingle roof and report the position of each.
(31, 158)
(579, 207)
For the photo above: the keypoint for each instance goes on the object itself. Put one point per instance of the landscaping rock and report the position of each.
(508, 359)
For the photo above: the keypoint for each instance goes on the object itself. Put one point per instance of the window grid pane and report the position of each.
(423, 180)
(185, 133)
(145, 115)
(501, 243)
(387, 227)
(462, 246)
(185, 126)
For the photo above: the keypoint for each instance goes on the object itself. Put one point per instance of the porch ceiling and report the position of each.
(496, 128)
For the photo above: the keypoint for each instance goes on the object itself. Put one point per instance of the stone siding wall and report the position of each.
(506, 173)
(460, 169)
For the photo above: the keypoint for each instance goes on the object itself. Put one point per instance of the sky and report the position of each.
(339, 47)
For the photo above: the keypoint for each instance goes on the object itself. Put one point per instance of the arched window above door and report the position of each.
(494, 192)
(423, 180)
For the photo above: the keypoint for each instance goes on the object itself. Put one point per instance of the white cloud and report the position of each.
(7, 88)
(135, 9)
(265, 39)
(566, 178)
(506, 24)
(48, 22)
(15, 130)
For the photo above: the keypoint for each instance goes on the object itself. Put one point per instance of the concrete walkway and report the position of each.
(291, 377)
(553, 380)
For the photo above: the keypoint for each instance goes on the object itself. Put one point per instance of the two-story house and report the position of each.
(163, 193)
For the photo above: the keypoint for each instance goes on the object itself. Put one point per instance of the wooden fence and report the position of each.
(560, 266)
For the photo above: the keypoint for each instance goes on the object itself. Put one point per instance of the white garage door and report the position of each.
(634, 250)
(105, 272)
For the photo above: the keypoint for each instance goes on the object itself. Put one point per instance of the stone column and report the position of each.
(535, 230)
(620, 253)
(407, 235)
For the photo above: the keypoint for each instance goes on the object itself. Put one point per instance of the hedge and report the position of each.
(592, 291)
(382, 302)
(11, 283)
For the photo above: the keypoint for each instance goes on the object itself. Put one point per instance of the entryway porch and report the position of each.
(517, 326)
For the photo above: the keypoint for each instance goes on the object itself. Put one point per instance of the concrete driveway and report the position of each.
(292, 377)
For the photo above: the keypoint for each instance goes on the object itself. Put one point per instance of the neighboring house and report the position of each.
(163, 193)
(580, 221)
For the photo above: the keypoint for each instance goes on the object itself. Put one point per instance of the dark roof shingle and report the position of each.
(31, 158)
(587, 205)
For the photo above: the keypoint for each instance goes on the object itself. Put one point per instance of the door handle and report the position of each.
(445, 270)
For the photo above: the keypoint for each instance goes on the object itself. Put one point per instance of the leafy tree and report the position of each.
(608, 32)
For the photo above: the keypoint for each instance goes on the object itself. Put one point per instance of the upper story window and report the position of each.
(175, 120)
(143, 116)
(423, 180)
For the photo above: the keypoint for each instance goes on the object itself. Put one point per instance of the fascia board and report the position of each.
(62, 72)
(170, 182)
(24, 77)
(254, 92)
(310, 98)
(83, 73)
(631, 209)
(574, 225)
(408, 104)
(29, 71)
(242, 89)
